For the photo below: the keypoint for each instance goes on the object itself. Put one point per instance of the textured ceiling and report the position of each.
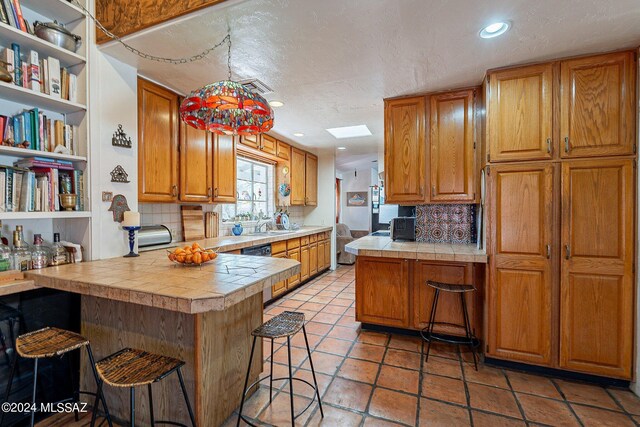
(333, 61)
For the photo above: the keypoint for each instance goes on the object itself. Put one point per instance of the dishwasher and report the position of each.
(262, 250)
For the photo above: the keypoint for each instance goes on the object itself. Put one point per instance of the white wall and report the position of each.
(355, 217)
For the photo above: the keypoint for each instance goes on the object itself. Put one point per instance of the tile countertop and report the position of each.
(232, 243)
(383, 246)
(152, 280)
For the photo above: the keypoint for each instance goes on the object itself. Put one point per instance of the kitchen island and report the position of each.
(391, 289)
(202, 315)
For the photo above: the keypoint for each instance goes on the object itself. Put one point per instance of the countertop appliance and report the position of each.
(154, 236)
(262, 250)
(403, 228)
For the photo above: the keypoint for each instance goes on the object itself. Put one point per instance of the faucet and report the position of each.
(258, 226)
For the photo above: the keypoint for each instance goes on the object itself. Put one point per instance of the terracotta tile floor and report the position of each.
(375, 379)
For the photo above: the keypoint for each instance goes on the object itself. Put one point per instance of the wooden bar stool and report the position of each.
(53, 342)
(283, 325)
(134, 368)
(427, 333)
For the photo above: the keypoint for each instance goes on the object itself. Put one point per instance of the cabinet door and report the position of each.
(304, 263)
(196, 165)
(298, 179)
(224, 169)
(294, 280)
(382, 291)
(597, 285)
(327, 253)
(311, 180)
(321, 263)
(268, 144)
(520, 113)
(521, 283)
(157, 143)
(280, 287)
(449, 305)
(313, 259)
(597, 112)
(405, 150)
(283, 150)
(251, 141)
(452, 152)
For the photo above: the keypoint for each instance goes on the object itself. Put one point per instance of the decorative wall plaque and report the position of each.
(119, 175)
(119, 206)
(120, 139)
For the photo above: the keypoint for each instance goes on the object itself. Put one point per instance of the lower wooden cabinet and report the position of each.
(295, 255)
(313, 258)
(280, 287)
(327, 254)
(304, 262)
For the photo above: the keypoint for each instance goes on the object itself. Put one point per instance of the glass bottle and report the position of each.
(5, 253)
(21, 254)
(58, 252)
(40, 253)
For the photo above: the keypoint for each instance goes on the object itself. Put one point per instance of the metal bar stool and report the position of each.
(429, 336)
(47, 343)
(283, 325)
(132, 368)
(11, 316)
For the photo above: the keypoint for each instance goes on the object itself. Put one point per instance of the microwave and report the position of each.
(403, 228)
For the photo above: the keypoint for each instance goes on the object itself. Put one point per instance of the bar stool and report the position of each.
(52, 342)
(427, 333)
(283, 325)
(11, 316)
(133, 368)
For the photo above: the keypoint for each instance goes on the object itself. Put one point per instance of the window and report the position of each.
(255, 192)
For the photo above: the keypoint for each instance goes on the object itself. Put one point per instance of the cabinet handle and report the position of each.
(174, 191)
(567, 251)
(215, 192)
(209, 192)
(566, 144)
(548, 251)
(433, 191)
(549, 145)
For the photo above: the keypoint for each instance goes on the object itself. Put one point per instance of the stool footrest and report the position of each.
(447, 338)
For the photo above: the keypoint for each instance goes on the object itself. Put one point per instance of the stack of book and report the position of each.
(34, 130)
(11, 14)
(34, 184)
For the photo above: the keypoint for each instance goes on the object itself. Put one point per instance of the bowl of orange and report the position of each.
(192, 255)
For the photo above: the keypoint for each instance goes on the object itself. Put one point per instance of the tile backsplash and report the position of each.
(446, 223)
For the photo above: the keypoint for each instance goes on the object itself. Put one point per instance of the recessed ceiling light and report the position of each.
(298, 134)
(276, 104)
(494, 30)
(350, 131)
(342, 148)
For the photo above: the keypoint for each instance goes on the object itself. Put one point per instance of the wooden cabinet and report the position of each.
(280, 287)
(405, 150)
(452, 160)
(157, 143)
(313, 258)
(521, 243)
(224, 169)
(298, 180)
(597, 281)
(597, 105)
(251, 141)
(327, 254)
(321, 252)
(196, 165)
(283, 150)
(293, 254)
(262, 142)
(449, 305)
(311, 180)
(268, 144)
(520, 113)
(382, 291)
(304, 262)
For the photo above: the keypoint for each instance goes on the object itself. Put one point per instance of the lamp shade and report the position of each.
(227, 108)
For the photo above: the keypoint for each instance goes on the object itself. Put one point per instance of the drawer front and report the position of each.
(293, 243)
(304, 241)
(278, 247)
(313, 238)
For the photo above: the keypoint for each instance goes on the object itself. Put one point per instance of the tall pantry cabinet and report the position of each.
(561, 143)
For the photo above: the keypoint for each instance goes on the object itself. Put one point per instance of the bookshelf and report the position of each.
(43, 215)
(25, 152)
(61, 10)
(32, 98)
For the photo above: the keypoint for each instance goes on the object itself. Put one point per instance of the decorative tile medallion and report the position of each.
(446, 224)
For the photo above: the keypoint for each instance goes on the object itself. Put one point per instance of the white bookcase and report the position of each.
(73, 226)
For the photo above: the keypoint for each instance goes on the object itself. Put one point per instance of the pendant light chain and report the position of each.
(184, 60)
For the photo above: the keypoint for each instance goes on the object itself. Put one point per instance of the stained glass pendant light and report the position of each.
(227, 108)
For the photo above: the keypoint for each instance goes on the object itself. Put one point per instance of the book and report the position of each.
(19, 17)
(10, 12)
(3, 14)
(7, 56)
(54, 77)
(17, 189)
(58, 137)
(24, 74)
(45, 76)
(64, 83)
(73, 87)
(27, 128)
(33, 71)
(3, 127)
(17, 64)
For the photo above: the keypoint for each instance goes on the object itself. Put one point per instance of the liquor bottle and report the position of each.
(5, 253)
(21, 254)
(40, 253)
(58, 252)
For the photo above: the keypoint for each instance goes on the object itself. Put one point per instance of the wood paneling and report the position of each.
(382, 291)
(196, 165)
(597, 288)
(405, 150)
(298, 179)
(452, 147)
(283, 150)
(521, 283)
(311, 180)
(122, 17)
(520, 116)
(224, 169)
(157, 143)
(597, 108)
(268, 144)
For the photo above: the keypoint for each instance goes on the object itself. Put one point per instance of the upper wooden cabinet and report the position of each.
(268, 144)
(196, 164)
(304, 178)
(597, 281)
(224, 169)
(157, 143)
(597, 107)
(452, 144)
(262, 142)
(520, 113)
(283, 150)
(251, 141)
(311, 180)
(405, 150)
